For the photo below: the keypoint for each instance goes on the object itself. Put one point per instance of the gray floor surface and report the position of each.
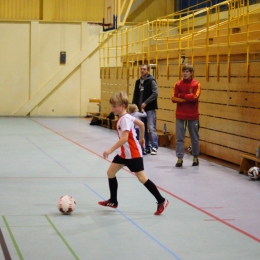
(213, 212)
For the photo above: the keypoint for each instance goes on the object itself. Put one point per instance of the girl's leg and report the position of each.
(150, 186)
(112, 181)
(113, 169)
(141, 176)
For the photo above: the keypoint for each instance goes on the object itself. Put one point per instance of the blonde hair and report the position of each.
(132, 108)
(119, 98)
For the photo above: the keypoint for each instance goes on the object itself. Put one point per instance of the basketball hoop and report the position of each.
(95, 28)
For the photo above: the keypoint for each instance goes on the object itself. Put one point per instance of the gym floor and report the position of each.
(213, 212)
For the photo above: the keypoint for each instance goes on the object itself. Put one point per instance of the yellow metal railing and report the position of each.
(171, 36)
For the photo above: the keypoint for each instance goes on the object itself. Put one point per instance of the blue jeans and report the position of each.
(150, 135)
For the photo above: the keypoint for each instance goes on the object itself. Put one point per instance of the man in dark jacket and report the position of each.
(145, 97)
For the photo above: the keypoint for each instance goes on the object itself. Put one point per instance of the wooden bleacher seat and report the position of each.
(91, 111)
(105, 121)
(248, 161)
(164, 139)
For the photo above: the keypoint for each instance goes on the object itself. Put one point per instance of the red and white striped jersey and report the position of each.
(131, 148)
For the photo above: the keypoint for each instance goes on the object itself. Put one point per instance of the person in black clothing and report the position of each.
(145, 97)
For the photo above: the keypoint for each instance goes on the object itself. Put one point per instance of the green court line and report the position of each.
(62, 238)
(13, 239)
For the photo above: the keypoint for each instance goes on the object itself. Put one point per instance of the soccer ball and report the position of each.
(66, 204)
(254, 173)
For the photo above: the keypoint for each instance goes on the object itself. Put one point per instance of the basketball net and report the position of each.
(94, 28)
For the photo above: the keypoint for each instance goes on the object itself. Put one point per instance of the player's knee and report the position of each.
(110, 174)
(141, 177)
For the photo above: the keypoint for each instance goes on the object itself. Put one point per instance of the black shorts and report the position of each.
(134, 165)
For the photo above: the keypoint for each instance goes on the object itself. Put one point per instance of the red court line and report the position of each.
(224, 219)
(176, 197)
(77, 144)
(69, 139)
(212, 216)
(211, 207)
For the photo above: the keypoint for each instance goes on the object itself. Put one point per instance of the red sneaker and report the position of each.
(161, 207)
(108, 203)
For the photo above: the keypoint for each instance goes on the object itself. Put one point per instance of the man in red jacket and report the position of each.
(186, 94)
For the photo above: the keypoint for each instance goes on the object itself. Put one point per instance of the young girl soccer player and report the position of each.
(134, 111)
(131, 153)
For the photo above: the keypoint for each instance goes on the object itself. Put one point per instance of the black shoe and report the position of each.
(147, 150)
(144, 152)
(179, 163)
(195, 162)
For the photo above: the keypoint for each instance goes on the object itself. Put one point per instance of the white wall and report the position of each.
(29, 60)
(14, 66)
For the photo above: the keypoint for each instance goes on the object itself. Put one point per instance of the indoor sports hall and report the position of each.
(60, 63)
(213, 210)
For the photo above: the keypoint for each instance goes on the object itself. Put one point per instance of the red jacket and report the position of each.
(186, 95)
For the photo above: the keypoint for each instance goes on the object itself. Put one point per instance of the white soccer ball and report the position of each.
(254, 173)
(66, 204)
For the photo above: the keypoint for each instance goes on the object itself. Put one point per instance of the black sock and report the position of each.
(113, 189)
(153, 189)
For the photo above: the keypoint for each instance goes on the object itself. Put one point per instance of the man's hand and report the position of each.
(143, 105)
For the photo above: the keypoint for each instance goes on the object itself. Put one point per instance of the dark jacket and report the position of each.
(150, 93)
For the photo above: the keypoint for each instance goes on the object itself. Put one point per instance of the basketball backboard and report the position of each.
(116, 13)
(110, 17)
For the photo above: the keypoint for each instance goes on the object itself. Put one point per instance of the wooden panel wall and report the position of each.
(109, 86)
(229, 111)
(20, 9)
(49, 10)
(80, 10)
(77, 10)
